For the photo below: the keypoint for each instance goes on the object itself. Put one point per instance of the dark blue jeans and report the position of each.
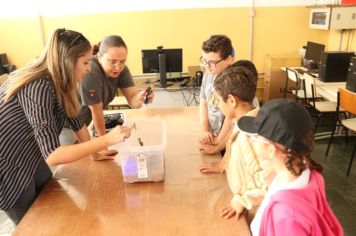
(28, 196)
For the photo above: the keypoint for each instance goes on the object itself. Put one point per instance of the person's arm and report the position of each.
(79, 127)
(70, 153)
(203, 112)
(44, 124)
(207, 137)
(83, 134)
(291, 227)
(133, 97)
(97, 112)
(250, 193)
(215, 148)
(224, 132)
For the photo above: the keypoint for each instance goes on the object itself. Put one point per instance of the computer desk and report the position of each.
(329, 92)
(326, 90)
(179, 94)
(90, 198)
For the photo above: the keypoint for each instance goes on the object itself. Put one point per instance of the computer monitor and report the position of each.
(162, 61)
(313, 53)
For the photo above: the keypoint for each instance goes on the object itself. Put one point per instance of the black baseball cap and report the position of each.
(280, 120)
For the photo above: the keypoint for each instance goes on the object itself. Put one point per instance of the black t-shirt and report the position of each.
(96, 88)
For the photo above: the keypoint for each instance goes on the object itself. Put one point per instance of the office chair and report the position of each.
(346, 100)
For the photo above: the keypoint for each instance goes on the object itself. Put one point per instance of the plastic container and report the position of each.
(143, 163)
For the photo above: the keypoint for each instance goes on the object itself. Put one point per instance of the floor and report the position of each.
(340, 190)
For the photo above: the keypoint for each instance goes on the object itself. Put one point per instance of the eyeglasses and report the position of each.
(211, 64)
(115, 63)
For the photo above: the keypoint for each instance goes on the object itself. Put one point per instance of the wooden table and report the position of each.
(90, 198)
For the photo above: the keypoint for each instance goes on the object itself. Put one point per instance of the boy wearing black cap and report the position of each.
(295, 203)
(235, 88)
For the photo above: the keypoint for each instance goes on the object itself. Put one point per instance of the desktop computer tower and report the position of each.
(351, 75)
(3, 59)
(334, 66)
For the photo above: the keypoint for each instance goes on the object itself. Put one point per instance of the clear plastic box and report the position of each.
(143, 163)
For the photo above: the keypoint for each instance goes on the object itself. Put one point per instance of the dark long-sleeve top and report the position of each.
(30, 124)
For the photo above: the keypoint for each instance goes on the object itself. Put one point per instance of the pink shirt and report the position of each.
(303, 211)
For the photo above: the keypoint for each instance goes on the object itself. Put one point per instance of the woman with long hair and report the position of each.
(35, 103)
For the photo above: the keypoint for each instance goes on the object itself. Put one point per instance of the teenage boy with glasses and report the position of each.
(217, 56)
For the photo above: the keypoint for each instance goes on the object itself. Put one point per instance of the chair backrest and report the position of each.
(293, 76)
(347, 100)
(309, 86)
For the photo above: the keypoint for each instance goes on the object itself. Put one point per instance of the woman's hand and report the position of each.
(149, 95)
(144, 96)
(117, 134)
(140, 97)
(104, 155)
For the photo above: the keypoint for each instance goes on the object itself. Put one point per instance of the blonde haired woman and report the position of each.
(35, 102)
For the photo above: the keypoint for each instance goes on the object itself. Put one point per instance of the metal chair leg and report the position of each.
(346, 136)
(317, 122)
(331, 137)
